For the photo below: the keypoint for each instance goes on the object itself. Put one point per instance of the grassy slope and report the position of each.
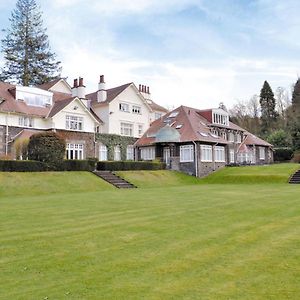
(188, 242)
(31, 184)
(277, 173)
(151, 179)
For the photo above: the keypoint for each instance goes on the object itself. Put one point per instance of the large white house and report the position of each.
(56, 106)
(125, 110)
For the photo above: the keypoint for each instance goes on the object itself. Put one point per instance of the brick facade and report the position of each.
(85, 138)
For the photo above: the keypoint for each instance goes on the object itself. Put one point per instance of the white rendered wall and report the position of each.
(103, 113)
(75, 108)
(116, 117)
(61, 87)
(13, 120)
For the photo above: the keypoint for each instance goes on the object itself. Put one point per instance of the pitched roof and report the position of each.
(156, 107)
(111, 94)
(48, 85)
(10, 104)
(252, 139)
(59, 105)
(189, 123)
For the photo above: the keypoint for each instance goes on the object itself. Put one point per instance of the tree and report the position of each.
(267, 105)
(47, 147)
(280, 138)
(293, 114)
(296, 95)
(27, 55)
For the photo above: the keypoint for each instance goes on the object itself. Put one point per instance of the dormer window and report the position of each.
(220, 117)
(34, 96)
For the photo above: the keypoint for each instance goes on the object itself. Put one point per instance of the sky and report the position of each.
(189, 52)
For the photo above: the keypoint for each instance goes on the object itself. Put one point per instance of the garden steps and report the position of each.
(115, 180)
(295, 178)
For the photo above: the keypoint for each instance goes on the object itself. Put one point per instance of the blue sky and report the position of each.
(191, 52)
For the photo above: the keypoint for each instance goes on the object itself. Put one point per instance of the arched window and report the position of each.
(117, 153)
(102, 152)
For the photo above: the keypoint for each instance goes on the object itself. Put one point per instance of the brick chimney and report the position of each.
(145, 91)
(75, 88)
(102, 93)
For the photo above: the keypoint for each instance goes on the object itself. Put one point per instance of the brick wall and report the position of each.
(85, 138)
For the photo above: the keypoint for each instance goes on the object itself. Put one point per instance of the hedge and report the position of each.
(77, 165)
(283, 154)
(129, 165)
(37, 166)
(22, 166)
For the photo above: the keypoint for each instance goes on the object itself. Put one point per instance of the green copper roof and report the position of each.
(167, 134)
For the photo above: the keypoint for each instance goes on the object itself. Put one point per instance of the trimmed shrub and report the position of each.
(129, 165)
(283, 154)
(22, 166)
(47, 147)
(77, 165)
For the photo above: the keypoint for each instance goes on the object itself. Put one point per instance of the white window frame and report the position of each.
(238, 138)
(219, 154)
(136, 109)
(147, 153)
(206, 153)
(130, 152)
(231, 156)
(140, 129)
(124, 107)
(117, 153)
(231, 137)
(74, 123)
(262, 153)
(126, 129)
(102, 152)
(25, 121)
(186, 153)
(75, 151)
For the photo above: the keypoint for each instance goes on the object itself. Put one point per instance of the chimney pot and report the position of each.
(80, 81)
(140, 87)
(101, 79)
(148, 90)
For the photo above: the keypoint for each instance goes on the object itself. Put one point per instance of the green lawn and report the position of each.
(86, 240)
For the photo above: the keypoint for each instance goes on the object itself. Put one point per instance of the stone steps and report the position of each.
(295, 178)
(113, 179)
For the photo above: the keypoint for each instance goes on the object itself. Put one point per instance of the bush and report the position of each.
(283, 154)
(77, 165)
(22, 166)
(129, 165)
(47, 147)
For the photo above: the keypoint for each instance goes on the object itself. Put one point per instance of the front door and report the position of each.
(167, 155)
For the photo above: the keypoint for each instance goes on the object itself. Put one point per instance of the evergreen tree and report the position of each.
(294, 117)
(267, 105)
(27, 54)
